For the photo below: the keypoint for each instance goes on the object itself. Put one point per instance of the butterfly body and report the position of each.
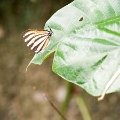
(37, 40)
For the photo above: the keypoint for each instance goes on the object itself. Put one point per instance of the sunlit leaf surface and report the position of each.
(87, 52)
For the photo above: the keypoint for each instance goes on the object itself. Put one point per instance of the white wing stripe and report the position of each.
(33, 40)
(29, 37)
(39, 41)
(26, 34)
(40, 46)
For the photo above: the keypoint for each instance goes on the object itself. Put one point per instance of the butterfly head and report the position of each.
(50, 31)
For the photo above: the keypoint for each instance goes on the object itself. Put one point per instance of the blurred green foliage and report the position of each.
(21, 13)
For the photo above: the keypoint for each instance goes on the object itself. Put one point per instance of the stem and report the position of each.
(67, 99)
(83, 108)
(46, 98)
(112, 80)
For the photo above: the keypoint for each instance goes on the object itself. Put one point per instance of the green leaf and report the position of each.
(86, 52)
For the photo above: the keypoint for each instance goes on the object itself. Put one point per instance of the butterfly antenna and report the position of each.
(50, 28)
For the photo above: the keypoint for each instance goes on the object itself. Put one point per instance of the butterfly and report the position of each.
(37, 40)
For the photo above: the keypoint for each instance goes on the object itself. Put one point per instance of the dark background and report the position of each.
(18, 99)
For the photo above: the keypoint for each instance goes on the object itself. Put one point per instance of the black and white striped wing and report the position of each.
(36, 40)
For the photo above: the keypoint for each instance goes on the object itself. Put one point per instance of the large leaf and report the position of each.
(86, 52)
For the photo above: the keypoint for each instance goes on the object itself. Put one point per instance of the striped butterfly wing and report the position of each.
(37, 40)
